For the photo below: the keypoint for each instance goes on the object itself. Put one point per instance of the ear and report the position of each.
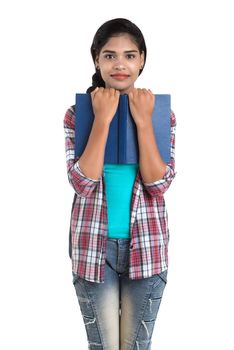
(96, 61)
(142, 58)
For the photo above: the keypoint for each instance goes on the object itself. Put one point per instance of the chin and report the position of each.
(122, 88)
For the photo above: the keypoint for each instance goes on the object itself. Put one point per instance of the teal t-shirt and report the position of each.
(119, 181)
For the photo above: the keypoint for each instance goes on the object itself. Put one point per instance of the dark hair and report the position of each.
(109, 29)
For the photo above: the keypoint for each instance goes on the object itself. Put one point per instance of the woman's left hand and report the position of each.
(141, 103)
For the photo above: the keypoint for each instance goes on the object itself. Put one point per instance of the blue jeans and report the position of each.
(119, 313)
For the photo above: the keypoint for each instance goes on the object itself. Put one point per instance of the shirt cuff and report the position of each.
(161, 181)
(77, 168)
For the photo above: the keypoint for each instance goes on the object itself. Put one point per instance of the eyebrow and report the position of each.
(111, 51)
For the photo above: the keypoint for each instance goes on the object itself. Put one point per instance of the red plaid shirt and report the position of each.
(88, 232)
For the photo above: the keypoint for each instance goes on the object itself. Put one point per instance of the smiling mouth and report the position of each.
(120, 76)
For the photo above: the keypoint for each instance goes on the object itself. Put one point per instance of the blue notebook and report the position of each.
(122, 145)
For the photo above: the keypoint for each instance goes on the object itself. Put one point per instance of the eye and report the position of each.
(130, 56)
(109, 56)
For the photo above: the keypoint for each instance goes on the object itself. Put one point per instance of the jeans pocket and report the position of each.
(163, 276)
(74, 278)
(83, 297)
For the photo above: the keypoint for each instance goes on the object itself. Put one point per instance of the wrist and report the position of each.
(143, 125)
(102, 124)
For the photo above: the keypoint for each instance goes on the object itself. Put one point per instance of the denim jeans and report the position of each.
(120, 313)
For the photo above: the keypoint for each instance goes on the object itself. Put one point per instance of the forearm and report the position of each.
(92, 159)
(152, 167)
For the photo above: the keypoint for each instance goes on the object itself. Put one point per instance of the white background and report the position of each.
(45, 60)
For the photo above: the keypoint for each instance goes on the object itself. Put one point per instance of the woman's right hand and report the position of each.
(105, 103)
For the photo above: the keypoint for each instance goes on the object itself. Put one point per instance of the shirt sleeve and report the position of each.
(158, 187)
(82, 184)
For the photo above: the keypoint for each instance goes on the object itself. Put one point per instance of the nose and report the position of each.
(119, 65)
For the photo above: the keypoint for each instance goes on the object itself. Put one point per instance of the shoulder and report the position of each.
(69, 118)
(173, 118)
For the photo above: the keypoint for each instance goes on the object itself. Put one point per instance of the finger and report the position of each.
(151, 93)
(112, 91)
(130, 94)
(135, 92)
(93, 94)
(94, 91)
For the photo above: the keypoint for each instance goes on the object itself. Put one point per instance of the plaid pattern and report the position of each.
(148, 230)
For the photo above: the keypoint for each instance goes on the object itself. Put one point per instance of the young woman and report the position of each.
(119, 232)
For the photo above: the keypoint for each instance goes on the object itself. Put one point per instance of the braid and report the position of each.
(97, 81)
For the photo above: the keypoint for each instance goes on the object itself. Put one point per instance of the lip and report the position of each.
(120, 76)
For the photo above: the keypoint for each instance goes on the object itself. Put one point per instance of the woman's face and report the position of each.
(119, 62)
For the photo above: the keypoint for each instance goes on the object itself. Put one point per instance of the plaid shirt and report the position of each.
(88, 231)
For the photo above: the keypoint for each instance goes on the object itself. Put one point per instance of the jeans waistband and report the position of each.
(119, 240)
